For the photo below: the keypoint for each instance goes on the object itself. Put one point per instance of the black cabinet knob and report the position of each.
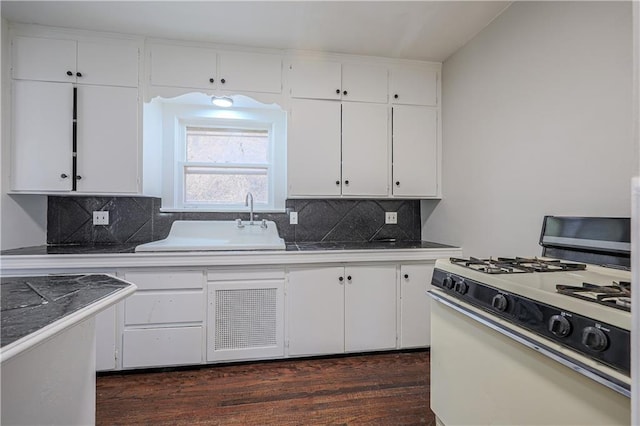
(337, 182)
(397, 183)
(337, 91)
(344, 93)
(348, 277)
(69, 73)
(211, 80)
(340, 279)
(78, 177)
(64, 176)
(406, 276)
(223, 81)
(78, 74)
(346, 182)
(395, 96)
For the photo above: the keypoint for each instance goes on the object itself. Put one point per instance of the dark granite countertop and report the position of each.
(300, 246)
(29, 304)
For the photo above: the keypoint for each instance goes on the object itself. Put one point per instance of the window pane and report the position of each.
(225, 186)
(209, 145)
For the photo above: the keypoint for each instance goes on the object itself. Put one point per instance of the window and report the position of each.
(208, 158)
(223, 164)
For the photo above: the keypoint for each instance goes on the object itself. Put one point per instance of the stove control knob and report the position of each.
(500, 302)
(447, 283)
(461, 287)
(559, 325)
(594, 339)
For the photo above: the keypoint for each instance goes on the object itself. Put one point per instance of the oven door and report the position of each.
(482, 375)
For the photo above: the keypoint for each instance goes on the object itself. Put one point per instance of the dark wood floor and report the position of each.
(385, 389)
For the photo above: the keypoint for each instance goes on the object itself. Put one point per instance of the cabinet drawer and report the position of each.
(155, 347)
(166, 280)
(156, 307)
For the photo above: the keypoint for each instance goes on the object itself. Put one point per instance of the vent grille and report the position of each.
(245, 318)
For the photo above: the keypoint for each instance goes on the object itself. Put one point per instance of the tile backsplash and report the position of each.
(139, 220)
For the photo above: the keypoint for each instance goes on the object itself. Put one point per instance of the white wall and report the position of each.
(537, 119)
(23, 218)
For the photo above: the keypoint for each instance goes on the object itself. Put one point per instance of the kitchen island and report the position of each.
(48, 345)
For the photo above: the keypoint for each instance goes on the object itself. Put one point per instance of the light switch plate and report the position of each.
(391, 218)
(101, 218)
(293, 218)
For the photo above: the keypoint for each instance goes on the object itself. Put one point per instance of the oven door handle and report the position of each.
(579, 367)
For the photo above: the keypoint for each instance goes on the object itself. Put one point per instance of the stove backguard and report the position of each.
(596, 240)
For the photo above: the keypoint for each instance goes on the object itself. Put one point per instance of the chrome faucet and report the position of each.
(248, 201)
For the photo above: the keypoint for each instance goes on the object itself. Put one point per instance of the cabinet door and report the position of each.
(107, 134)
(42, 136)
(44, 59)
(315, 299)
(365, 159)
(108, 63)
(253, 72)
(314, 149)
(415, 151)
(413, 85)
(157, 347)
(180, 66)
(370, 308)
(415, 325)
(157, 307)
(364, 83)
(314, 78)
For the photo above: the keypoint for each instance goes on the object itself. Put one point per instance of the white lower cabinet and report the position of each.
(164, 319)
(341, 309)
(106, 339)
(414, 305)
(245, 314)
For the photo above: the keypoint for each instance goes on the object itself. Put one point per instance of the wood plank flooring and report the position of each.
(387, 389)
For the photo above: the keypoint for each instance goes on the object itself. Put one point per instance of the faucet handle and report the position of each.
(264, 224)
(239, 223)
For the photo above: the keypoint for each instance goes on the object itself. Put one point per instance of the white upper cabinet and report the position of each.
(313, 145)
(180, 66)
(415, 151)
(365, 158)
(204, 68)
(413, 84)
(42, 158)
(316, 78)
(108, 62)
(107, 153)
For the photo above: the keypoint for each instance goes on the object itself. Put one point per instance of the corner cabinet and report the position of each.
(84, 97)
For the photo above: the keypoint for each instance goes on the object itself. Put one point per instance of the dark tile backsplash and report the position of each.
(139, 220)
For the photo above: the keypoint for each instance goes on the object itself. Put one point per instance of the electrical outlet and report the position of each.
(101, 218)
(390, 218)
(293, 218)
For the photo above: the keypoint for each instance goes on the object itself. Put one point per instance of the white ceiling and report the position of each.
(426, 30)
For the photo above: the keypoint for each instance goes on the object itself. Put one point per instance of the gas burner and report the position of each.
(507, 265)
(616, 296)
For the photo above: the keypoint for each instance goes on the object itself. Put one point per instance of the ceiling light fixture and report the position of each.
(224, 102)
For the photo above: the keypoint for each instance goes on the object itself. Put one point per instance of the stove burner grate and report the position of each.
(616, 296)
(508, 265)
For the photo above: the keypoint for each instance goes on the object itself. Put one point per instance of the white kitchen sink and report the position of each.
(204, 235)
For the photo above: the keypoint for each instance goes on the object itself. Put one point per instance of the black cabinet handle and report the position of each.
(78, 177)
(346, 182)
(223, 81)
(406, 276)
(395, 96)
(344, 93)
(397, 183)
(211, 80)
(64, 176)
(78, 74)
(69, 73)
(337, 91)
